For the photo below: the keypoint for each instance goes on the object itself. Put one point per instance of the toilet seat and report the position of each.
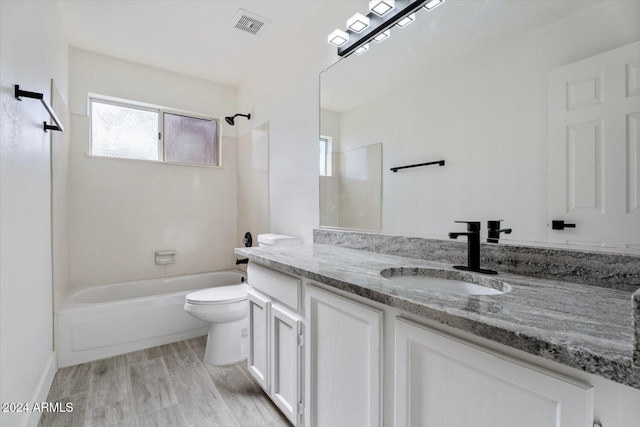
(219, 295)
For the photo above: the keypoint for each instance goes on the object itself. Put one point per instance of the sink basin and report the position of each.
(448, 281)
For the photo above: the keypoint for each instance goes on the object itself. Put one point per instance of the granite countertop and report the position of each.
(582, 326)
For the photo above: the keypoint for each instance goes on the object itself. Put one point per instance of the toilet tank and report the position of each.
(277, 240)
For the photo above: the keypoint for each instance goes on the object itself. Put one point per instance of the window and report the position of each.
(130, 131)
(325, 155)
(119, 131)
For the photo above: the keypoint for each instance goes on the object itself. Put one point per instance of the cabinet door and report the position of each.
(285, 361)
(258, 362)
(344, 362)
(444, 382)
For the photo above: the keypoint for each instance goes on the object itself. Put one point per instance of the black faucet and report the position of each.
(242, 261)
(473, 248)
(493, 235)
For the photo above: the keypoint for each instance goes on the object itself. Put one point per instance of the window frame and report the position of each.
(160, 110)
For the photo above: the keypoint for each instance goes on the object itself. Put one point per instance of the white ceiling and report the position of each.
(195, 38)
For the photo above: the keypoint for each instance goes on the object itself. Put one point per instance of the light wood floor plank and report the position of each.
(70, 381)
(177, 354)
(266, 408)
(240, 395)
(111, 413)
(223, 419)
(109, 382)
(167, 417)
(66, 419)
(198, 346)
(167, 386)
(151, 386)
(196, 393)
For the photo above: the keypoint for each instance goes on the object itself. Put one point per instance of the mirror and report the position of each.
(350, 186)
(481, 85)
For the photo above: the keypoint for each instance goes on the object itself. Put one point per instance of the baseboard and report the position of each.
(42, 390)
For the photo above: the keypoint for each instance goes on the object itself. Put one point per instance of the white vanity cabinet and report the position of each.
(441, 381)
(344, 361)
(324, 357)
(275, 338)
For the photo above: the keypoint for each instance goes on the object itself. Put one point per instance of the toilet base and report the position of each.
(227, 343)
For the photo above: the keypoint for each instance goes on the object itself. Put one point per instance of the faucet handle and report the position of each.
(471, 225)
(494, 224)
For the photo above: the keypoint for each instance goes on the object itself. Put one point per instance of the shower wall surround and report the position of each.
(350, 198)
(609, 270)
(122, 211)
(253, 182)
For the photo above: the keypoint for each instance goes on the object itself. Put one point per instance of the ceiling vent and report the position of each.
(249, 22)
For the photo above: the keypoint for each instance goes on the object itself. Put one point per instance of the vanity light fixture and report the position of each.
(358, 22)
(382, 36)
(362, 49)
(381, 7)
(433, 3)
(338, 38)
(376, 25)
(406, 20)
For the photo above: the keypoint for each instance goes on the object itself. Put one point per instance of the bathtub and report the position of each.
(107, 320)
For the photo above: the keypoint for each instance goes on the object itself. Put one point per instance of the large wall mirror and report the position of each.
(533, 105)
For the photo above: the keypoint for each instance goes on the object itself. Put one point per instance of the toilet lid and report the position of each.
(219, 294)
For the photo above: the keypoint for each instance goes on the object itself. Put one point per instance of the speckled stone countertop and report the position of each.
(585, 327)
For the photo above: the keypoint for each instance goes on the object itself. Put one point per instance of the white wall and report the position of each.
(285, 92)
(122, 211)
(33, 50)
(486, 115)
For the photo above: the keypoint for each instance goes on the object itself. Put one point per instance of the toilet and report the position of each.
(226, 308)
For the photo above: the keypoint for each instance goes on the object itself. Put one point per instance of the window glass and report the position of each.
(122, 131)
(125, 130)
(190, 140)
(325, 146)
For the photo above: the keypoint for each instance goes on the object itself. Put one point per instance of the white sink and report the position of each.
(448, 281)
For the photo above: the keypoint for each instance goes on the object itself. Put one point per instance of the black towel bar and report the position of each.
(439, 162)
(35, 95)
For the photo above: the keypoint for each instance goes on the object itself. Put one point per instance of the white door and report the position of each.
(344, 361)
(286, 345)
(444, 382)
(594, 149)
(257, 359)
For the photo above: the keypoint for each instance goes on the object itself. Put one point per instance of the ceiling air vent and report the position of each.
(249, 22)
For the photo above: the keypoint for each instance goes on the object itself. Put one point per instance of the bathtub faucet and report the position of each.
(242, 261)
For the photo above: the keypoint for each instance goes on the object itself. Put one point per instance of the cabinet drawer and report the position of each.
(285, 289)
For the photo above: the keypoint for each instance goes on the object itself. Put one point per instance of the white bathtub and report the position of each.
(107, 320)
